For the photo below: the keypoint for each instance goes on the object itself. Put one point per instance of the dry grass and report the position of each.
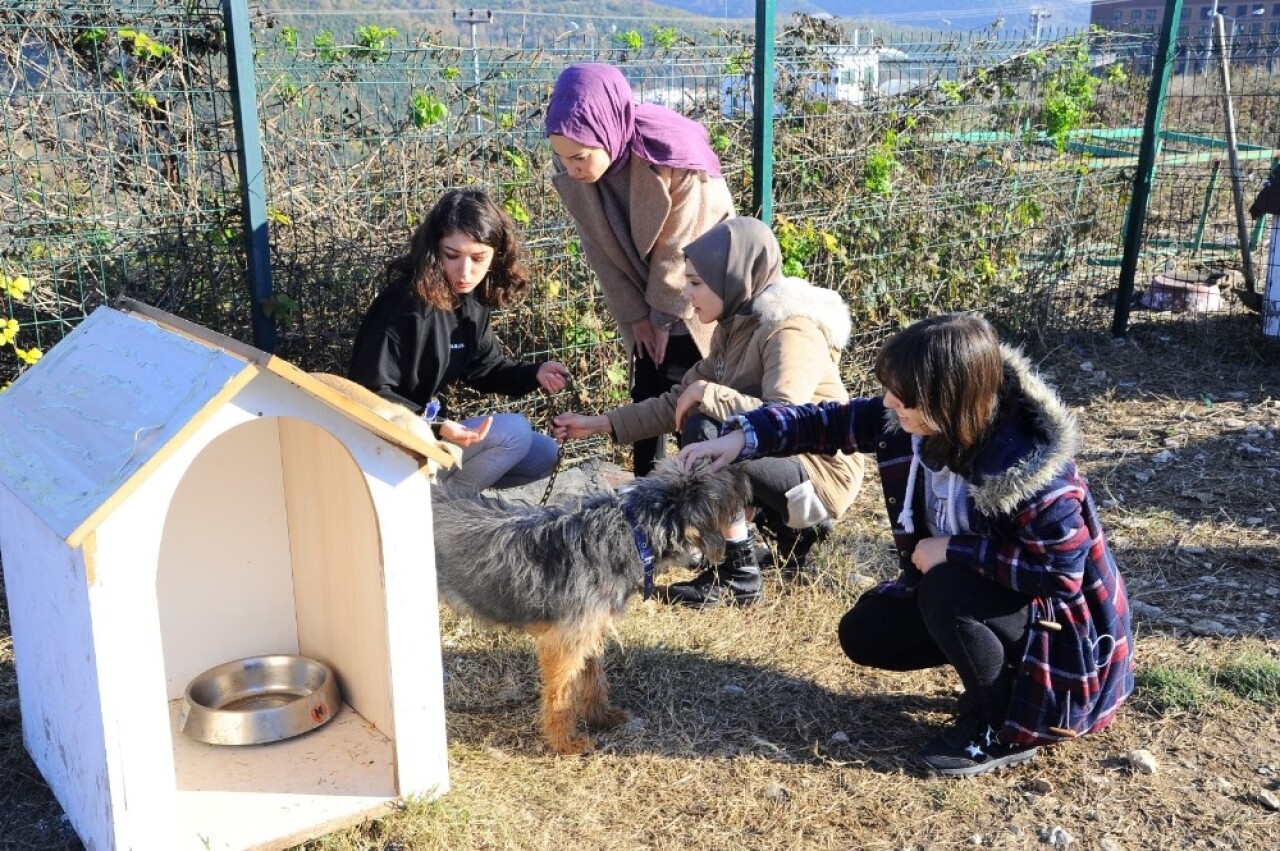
(752, 731)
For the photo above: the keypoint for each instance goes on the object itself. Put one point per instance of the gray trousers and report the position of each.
(511, 454)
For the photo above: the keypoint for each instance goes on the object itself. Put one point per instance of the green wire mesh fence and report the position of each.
(1193, 221)
(116, 170)
(914, 172)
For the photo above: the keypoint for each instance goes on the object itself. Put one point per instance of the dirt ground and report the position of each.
(750, 730)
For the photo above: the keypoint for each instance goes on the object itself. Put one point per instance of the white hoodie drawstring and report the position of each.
(906, 519)
(954, 524)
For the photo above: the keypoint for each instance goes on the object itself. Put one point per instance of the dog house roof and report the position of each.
(116, 395)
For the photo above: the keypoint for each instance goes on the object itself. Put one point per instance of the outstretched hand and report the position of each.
(573, 426)
(553, 376)
(720, 452)
(463, 436)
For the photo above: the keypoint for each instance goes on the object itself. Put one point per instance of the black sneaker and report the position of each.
(972, 746)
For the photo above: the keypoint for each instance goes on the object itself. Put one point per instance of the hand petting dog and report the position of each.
(718, 453)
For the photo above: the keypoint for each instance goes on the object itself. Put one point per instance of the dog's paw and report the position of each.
(607, 717)
(571, 746)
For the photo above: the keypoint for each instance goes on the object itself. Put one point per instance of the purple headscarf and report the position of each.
(592, 104)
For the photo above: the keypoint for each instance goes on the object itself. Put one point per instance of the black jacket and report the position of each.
(407, 351)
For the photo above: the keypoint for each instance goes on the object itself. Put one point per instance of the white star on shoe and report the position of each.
(974, 751)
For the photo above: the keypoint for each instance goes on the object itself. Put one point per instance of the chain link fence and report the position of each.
(116, 168)
(915, 173)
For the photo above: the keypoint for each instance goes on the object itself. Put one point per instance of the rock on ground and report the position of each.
(591, 476)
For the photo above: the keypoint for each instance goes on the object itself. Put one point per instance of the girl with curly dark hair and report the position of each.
(430, 327)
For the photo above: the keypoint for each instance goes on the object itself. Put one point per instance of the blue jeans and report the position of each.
(511, 454)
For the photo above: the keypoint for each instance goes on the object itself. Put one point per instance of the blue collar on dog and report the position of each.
(645, 549)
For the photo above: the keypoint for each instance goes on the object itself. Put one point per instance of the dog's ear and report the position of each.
(738, 483)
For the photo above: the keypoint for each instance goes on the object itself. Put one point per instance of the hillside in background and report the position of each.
(540, 20)
(532, 22)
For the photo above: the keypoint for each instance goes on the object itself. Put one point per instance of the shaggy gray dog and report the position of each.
(564, 573)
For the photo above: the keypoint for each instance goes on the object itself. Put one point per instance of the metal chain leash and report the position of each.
(555, 469)
(551, 480)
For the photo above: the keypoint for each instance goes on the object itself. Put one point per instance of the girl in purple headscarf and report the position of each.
(641, 182)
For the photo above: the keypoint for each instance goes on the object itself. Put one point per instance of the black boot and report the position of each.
(793, 545)
(736, 581)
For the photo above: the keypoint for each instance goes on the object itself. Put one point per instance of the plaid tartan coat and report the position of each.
(1034, 529)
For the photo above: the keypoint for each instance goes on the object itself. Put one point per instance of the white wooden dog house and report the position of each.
(171, 500)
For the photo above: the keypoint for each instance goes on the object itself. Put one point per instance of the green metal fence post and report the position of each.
(762, 119)
(1162, 64)
(1204, 208)
(253, 192)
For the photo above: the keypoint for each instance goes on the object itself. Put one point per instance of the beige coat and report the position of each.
(786, 350)
(670, 207)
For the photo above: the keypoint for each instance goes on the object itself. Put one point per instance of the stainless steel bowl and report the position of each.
(259, 699)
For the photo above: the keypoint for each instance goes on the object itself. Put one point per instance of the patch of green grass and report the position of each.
(415, 823)
(1164, 688)
(1252, 676)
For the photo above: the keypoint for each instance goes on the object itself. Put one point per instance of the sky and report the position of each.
(961, 14)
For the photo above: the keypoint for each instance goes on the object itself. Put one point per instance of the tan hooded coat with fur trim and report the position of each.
(786, 350)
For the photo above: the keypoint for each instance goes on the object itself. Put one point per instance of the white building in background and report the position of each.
(851, 75)
(1254, 22)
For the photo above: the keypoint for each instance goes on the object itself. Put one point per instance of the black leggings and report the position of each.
(648, 381)
(956, 617)
(770, 478)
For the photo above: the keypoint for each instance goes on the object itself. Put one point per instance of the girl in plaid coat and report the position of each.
(1006, 575)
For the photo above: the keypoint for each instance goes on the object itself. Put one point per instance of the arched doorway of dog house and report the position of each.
(270, 545)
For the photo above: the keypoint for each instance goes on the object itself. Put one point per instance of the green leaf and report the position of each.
(424, 110)
(665, 37)
(326, 47)
(517, 211)
(514, 160)
(629, 40)
(288, 39)
(143, 46)
(373, 42)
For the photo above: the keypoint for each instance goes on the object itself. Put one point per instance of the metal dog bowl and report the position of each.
(259, 699)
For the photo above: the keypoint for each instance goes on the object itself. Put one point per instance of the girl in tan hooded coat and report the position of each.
(778, 340)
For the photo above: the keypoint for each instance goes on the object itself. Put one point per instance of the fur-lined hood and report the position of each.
(1009, 469)
(790, 297)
